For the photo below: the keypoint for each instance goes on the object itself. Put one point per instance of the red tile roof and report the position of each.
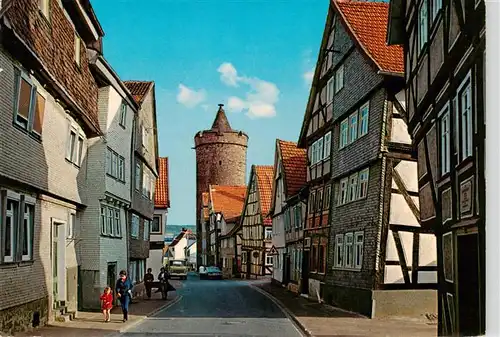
(138, 89)
(228, 200)
(265, 176)
(162, 195)
(367, 21)
(294, 161)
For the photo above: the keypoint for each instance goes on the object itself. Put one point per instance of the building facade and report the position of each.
(221, 154)
(444, 45)
(256, 260)
(48, 109)
(103, 246)
(159, 223)
(144, 172)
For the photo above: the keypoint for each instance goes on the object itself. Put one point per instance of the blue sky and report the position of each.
(254, 56)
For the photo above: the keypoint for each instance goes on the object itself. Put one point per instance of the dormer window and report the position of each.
(78, 51)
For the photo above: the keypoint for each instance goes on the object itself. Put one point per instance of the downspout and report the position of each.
(132, 187)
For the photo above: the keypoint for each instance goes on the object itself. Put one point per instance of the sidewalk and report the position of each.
(322, 320)
(90, 324)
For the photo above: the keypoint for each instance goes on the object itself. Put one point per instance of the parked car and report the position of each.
(177, 268)
(210, 273)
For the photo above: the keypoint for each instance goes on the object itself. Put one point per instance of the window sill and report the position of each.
(115, 178)
(354, 141)
(346, 269)
(15, 264)
(352, 201)
(109, 236)
(122, 126)
(72, 163)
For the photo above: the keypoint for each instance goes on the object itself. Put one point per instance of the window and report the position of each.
(339, 79)
(44, 7)
(70, 228)
(115, 165)
(155, 227)
(353, 184)
(465, 110)
(78, 52)
(314, 255)
(74, 150)
(339, 250)
(343, 191)
(330, 87)
(269, 260)
(138, 176)
(134, 228)
(146, 230)
(141, 265)
(422, 25)
(133, 271)
(436, 7)
(327, 145)
(269, 233)
(321, 258)
(363, 183)
(319, 200)
(146, 184)
(344, 127)
(358, 250)
(311, 203)
(144, 136)
(326, 198)
(363, 119)
(287, 219)
(348, 250)
(123, 114)
(39, 113)
(27, 231)
(298, 216)
(353, 127)
(444, 127)
(11, 221)
(110, 221)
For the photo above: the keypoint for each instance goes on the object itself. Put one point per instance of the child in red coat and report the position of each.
(107, 304)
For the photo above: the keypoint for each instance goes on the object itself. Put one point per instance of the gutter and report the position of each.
(390, 73)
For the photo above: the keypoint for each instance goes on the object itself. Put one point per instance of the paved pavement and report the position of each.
(218, 308)
(321, 320)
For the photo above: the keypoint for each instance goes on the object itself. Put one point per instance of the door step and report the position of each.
(63, 315)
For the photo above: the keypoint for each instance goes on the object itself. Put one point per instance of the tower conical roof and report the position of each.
(221, 123)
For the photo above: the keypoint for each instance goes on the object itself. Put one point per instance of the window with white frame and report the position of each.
(70, 228)
(348, 250)
(344, 133)
(311, 203)
(10, 228)
(319, 200)
(78, 50)
(156, 225)
(423, 22)
(74, 150)
(327, 144)
(358, 250)
(134, 226)
(287, 220)
(330, 89)
(353, 127)
(44, 6)
(133, 272)
(339, 78)
(363, 183)
(146, 229)
(269, 260)
(27, 231)
(326, 197)
(364, 113)
(138, 173)
(298, 216)
(290, 211)
(29, 105)
(436, 6)
(339, 250)
(142, 267)
(343, 191)
(465, 113)
(268, 233)
(444, 129)
(353, 187)
(110, 221)
(123, 113)
(115, 165)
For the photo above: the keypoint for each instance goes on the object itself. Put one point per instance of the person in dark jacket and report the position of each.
(165, 285)
(123, 292)
(148, 279)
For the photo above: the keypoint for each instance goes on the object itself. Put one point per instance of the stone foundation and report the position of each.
(25, 317)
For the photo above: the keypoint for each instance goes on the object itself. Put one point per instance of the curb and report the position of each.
(154, 312)
(285, 310)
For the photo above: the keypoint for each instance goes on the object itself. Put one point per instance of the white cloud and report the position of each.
(260, 99)
(308, 76)
(190, 97)
(228, 74)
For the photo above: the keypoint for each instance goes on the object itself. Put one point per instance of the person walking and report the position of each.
(123, 291)
(148, 279)
(107, 303)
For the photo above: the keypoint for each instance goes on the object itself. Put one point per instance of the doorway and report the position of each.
(305, 272)
(112, 277)
(468, 285)
(58, 257)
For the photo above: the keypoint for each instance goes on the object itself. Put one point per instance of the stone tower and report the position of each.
(221, 158)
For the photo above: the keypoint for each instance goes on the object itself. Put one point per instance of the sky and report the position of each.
(254, 56)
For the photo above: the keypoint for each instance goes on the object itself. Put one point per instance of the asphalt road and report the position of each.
(217, 308)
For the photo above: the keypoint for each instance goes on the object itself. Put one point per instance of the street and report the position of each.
(217, 308)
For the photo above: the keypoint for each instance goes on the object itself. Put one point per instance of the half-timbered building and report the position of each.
(444, 45)
(376, 241)
(256, 242)
(288, 207)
